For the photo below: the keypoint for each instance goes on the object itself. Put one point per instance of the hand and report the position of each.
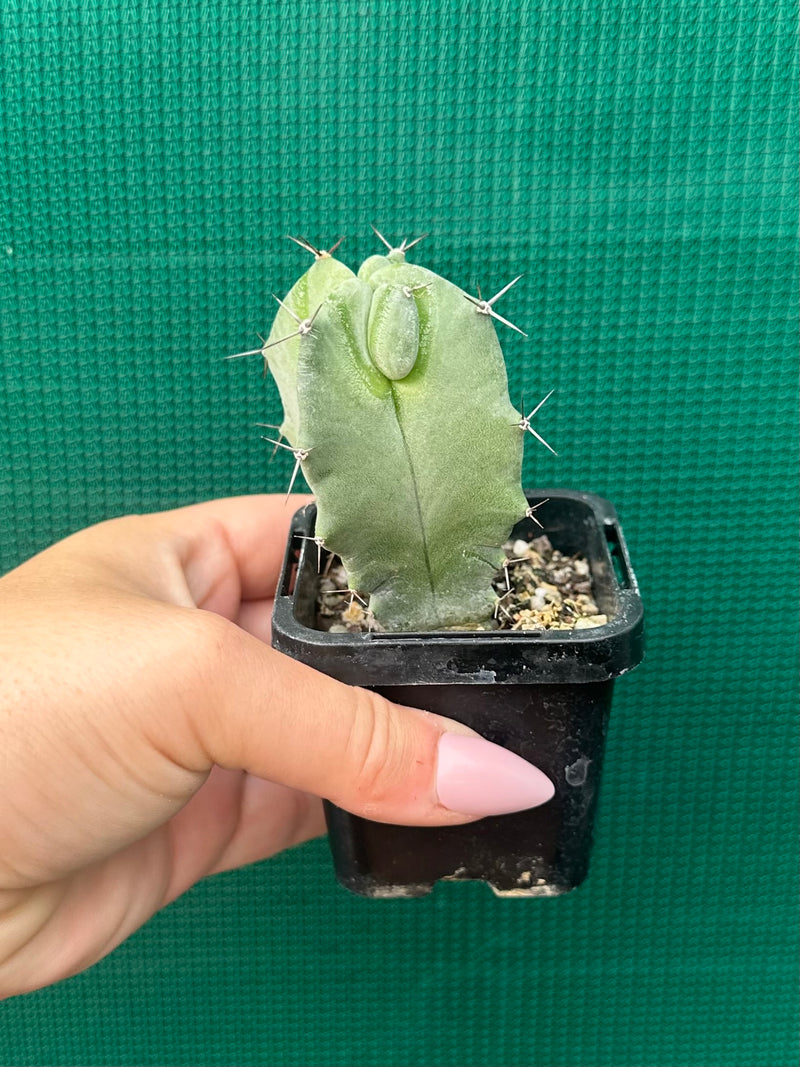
(150, 737)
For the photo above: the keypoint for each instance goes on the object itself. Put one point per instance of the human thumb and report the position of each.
(283, 721)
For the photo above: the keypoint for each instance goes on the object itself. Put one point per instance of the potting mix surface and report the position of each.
(537, 588)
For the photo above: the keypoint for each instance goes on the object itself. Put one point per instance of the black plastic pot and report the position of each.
(544, 695)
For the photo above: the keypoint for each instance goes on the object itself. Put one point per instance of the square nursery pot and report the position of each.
(545, 695)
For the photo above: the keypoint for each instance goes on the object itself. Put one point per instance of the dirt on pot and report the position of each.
(537, 588)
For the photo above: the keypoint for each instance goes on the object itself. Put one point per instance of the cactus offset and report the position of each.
(396, 404)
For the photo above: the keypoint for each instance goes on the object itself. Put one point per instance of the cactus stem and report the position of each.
(529, 512)
(389, 578)
(484, 307)
(404, 244)
(525, 424)
(475, 555)
(344, 335)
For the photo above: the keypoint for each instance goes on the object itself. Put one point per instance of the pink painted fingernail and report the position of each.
(477, 777)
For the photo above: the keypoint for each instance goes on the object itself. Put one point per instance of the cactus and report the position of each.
(396, 406)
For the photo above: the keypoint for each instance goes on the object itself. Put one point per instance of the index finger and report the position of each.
(231, 550)
(213, 555)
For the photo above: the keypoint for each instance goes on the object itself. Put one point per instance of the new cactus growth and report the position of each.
(396, 406)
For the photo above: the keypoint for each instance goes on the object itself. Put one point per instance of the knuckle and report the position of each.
(376, 746)
(206, 657)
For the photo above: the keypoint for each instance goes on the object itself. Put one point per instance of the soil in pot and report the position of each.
(538, 588)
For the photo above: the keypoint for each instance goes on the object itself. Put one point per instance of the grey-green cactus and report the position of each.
(396, 406)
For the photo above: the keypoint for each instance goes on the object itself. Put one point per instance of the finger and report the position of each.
(211, 555)
(246, 534)
(60, 928)
(236, 819)
(255, 616)
(252, 707)
(272, 819)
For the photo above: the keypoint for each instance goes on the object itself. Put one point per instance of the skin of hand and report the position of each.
(149, 736)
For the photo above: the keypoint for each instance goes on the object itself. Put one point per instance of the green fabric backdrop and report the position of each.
(637, 159)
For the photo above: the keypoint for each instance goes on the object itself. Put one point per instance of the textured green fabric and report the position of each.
(637, 159)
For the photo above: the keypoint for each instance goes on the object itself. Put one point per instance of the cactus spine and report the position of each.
(396, 404)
